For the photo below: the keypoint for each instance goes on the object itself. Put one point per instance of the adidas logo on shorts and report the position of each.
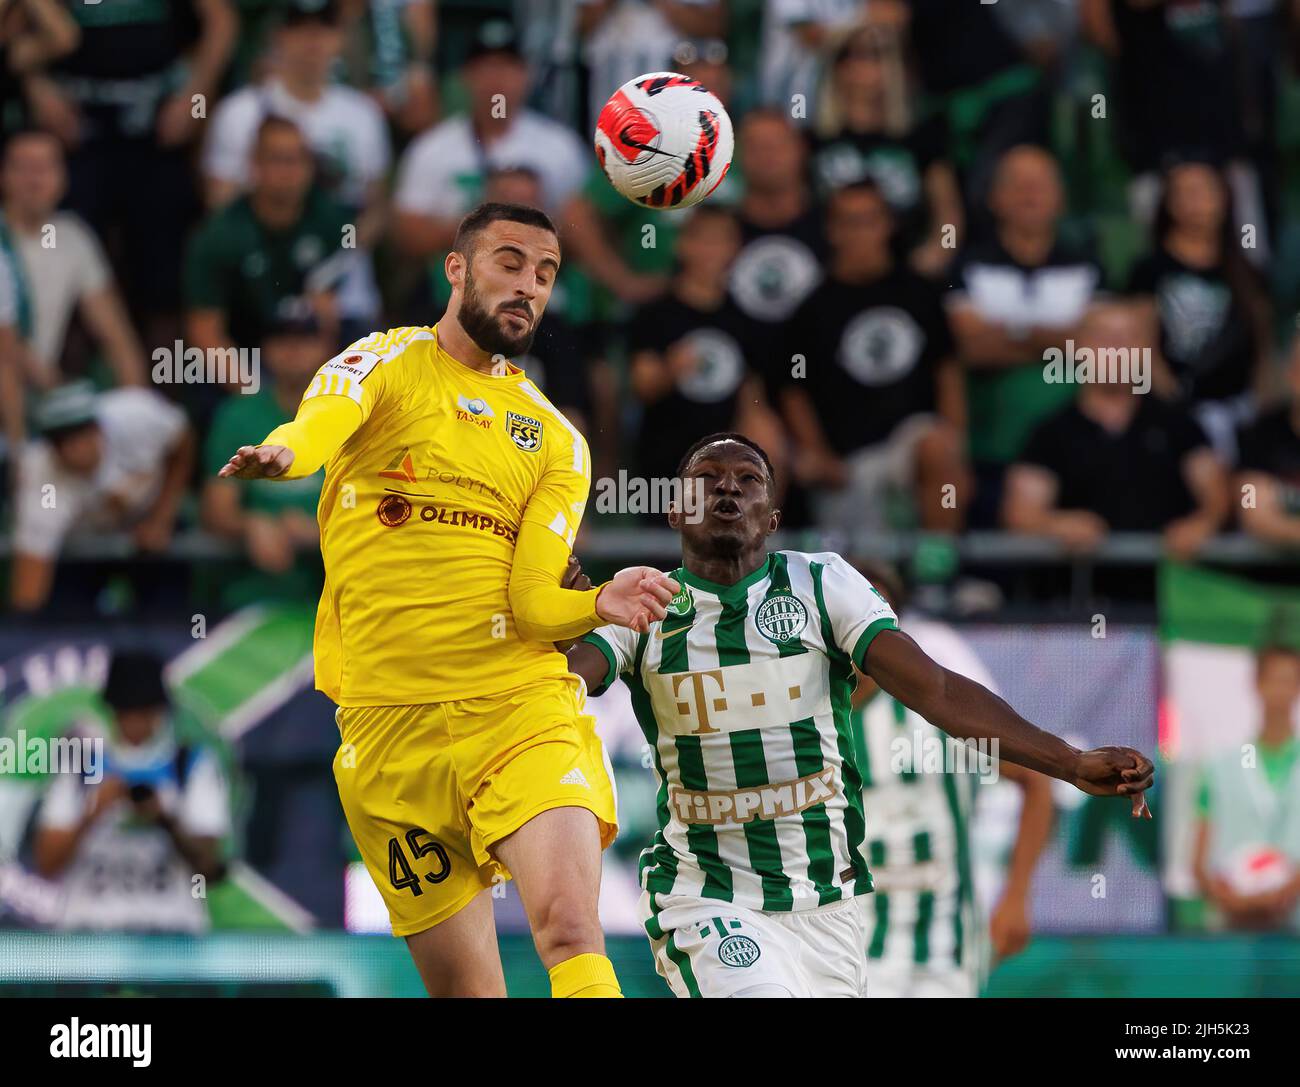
(575, 777)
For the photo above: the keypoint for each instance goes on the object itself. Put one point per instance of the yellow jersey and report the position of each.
(420, 513)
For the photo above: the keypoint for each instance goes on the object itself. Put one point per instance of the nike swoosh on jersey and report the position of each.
(660, 634)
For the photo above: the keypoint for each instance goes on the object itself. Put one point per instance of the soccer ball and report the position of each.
(1258, 869)
(664, 141)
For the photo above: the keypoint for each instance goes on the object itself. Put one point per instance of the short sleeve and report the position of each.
(854, 608)
(560, 498)
(63, 803)
(355, 372)
(205, 804)
(618, 646)
(234, 126)
(43, 517)
(426, 177)
(93, 273)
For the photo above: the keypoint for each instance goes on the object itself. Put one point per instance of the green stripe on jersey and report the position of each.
(921, 933)
(760, 834)
(841, 690)
(816, 820)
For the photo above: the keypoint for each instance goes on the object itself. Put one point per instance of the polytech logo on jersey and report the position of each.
(782, 617)
(401, 467)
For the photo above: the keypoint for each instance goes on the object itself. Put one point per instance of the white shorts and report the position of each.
(703, 947)
(916, 946)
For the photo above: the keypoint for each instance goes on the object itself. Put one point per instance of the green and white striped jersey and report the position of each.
(743, 695)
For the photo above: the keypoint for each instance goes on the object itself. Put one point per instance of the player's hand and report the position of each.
(269, 545)
(1079, 531)
(258, 462)
(1009, 926)
(636, 597)
(573, 577)
(1116, 771)
(105, 795)
(154, 533)
(1185, 537)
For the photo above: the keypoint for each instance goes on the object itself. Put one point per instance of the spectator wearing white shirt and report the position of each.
(129, 850)
(65, 267)
(443, 172)
(344, 126)
(114, 461)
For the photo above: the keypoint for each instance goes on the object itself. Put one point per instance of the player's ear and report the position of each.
(674, 516)
(773, 521)
(454, 268)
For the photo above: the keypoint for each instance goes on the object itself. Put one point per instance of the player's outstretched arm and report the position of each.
(545, 610)
(296, 449)
(966, 710)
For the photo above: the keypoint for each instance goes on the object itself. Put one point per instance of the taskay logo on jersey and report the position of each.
(781, 617)
(524, 431)
(475, 410)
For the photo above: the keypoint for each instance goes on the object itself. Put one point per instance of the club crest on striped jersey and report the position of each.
(738, 951)
(782, 617)
(524, 431)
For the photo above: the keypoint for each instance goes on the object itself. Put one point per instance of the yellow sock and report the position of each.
(584, 976)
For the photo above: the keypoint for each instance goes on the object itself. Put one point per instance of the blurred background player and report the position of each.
(926, 935)
(1247, 853)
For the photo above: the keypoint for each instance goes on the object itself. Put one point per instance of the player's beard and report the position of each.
(487, 330)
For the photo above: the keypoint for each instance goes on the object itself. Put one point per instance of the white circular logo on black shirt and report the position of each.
(881, 346)
(772, 275)
(719, 366)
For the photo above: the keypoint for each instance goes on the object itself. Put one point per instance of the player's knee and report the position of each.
(766, 990)
(566, 925)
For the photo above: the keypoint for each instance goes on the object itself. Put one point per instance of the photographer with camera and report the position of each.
(135, 850)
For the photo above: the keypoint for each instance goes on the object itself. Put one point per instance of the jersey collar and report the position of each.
(735, 591)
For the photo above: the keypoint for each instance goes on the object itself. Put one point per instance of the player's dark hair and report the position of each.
(729, 436)
(494, 212)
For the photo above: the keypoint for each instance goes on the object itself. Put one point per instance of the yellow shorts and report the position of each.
(428, 790)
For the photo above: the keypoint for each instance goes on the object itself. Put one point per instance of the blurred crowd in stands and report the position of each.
(931, 200)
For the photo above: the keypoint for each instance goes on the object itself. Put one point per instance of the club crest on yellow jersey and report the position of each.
(524, 431)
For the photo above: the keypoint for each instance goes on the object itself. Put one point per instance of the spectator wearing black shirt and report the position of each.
(865, 131)
(690, 353)
(1210, 306)
(1270, 468)
(127, 102)
(1176, 88)
(782, 240)
(876, 412)
(1016, 294)
(992, 96)
(1116, 460)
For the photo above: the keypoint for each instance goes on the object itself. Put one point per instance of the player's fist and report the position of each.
(258, 462)
(1116, 771)
(636, 597)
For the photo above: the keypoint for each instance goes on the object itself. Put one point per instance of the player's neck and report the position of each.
(724, 569)
(454, 340)
(1277, 730)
